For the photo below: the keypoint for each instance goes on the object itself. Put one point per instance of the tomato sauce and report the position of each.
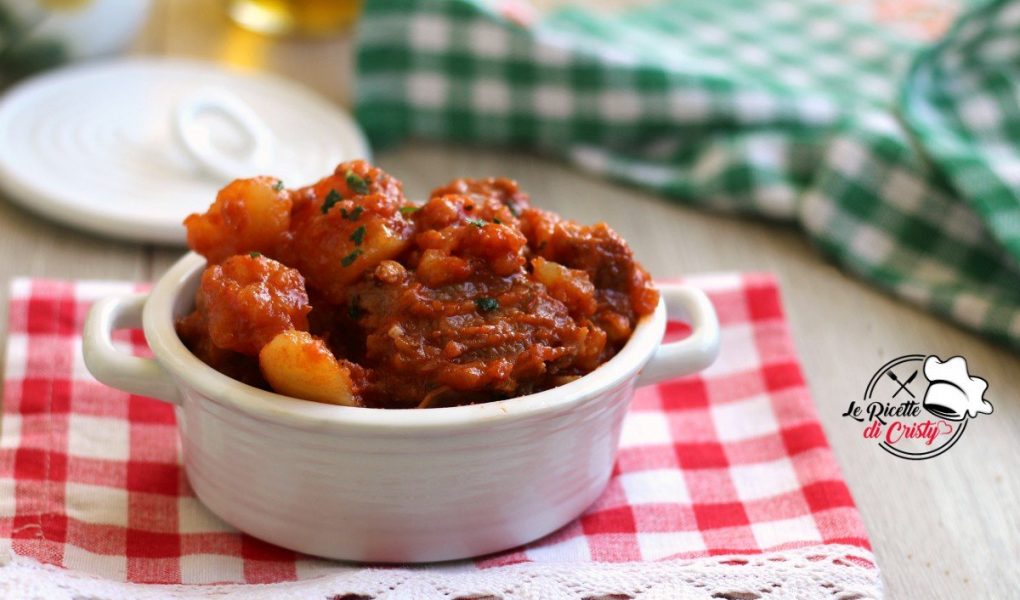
(472, 296)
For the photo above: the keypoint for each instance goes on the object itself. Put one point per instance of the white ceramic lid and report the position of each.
(128, 148)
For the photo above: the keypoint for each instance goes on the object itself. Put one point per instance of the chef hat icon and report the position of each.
(952, 393)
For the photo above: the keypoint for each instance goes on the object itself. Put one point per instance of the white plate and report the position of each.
(95, 146)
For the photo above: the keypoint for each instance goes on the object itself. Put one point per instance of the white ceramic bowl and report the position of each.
(390, 485)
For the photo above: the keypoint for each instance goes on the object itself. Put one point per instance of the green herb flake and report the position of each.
(513, 209)
(358, 236)
(278, 186)
(486, 305)
(331, 199)
(408, 210)
(353, 310)
(254, 254)
(350, 258)
(477, 223)
(497, 221)
(355, 183)
(354, 214)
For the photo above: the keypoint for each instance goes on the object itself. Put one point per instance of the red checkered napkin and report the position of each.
(730, 462)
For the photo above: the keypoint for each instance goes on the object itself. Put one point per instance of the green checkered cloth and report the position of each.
(901, 162)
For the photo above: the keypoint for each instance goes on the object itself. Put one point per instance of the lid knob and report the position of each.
(195, 137)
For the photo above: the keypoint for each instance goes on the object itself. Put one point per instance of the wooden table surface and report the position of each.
(941, 528)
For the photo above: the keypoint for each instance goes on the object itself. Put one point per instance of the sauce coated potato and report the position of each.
(248, 215)
(248, 299)
(346, 292)
(299, 365)
(335, 244)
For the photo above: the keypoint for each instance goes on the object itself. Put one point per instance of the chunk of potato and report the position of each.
(334, 249)
(248, 215)
(570, 286)
(299, 365)
(248, 300)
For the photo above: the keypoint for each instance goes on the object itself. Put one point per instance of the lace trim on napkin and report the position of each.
(832, 572)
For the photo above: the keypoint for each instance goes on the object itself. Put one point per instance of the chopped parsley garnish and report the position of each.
(350, 258)
(254, 254)
(497, 221)
(353, 310)
(477, 223)
(408, 210)
(356, 183)
(354, 214)
(331, 199)
(513, 209)
(358, 236)
(278, 186)
(486, 304)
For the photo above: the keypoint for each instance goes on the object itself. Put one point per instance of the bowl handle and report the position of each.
(132, 374)
(692, 353)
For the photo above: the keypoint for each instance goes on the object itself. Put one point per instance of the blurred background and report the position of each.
(254, 34)
(309, 40)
